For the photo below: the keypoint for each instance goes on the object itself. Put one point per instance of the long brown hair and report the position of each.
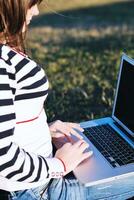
(12, 19)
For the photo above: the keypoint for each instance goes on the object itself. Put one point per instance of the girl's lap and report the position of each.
(71, 189)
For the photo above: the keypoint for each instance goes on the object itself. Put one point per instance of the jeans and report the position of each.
(71, 189)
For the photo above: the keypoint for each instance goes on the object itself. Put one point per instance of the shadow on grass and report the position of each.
(115, 41)
(116, 13)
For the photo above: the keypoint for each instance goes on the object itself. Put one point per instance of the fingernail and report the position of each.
(90, 153)
(81, 130)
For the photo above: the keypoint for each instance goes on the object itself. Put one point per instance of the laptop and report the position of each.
(112, 138)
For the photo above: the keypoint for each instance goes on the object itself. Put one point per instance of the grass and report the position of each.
(80, 50)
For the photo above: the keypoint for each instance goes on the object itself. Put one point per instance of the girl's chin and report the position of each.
(24, 27)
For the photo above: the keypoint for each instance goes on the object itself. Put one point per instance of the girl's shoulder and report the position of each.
(11, 56)
(7, 52)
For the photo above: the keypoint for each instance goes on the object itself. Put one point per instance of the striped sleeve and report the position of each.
(15, 163)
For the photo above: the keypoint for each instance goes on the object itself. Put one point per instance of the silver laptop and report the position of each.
(112, 138)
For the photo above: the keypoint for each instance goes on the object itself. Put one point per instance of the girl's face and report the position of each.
(33, 11)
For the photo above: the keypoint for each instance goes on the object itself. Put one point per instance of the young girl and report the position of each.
(27, 165)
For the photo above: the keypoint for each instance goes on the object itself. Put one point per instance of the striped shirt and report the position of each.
(25, 141)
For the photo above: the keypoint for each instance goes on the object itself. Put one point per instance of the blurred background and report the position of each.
(79, 44)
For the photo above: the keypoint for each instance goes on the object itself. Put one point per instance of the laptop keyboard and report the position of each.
(111, 145)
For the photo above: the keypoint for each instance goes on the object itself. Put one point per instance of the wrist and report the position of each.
(64, 165)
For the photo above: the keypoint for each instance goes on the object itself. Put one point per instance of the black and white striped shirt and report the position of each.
(25, 141)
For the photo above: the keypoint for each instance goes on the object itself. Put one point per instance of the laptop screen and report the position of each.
(123, 111)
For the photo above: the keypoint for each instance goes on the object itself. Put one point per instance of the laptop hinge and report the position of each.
(124, 131)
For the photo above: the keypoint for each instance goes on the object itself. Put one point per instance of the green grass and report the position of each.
(81, 54)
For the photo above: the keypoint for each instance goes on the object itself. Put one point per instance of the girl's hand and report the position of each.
(59, 129)
(73, 154)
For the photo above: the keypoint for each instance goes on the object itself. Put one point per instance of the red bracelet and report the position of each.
(62, 163)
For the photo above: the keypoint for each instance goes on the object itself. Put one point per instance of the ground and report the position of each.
(80, 50)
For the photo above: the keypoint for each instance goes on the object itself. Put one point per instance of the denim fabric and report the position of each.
(71, 189)
(65, 189)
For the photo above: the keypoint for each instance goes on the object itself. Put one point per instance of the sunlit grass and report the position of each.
(61, 5)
